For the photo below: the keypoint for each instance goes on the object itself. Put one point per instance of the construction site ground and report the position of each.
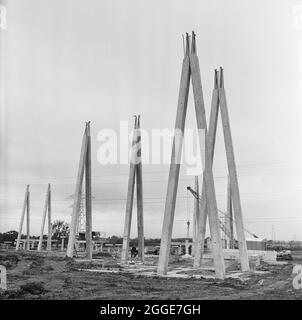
(33, 275)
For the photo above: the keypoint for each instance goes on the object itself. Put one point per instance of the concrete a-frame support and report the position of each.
(24, 209)
(84, 166)
(135, 172)
(191, 67)
(47, 211)
(244, 261)
(219, 99)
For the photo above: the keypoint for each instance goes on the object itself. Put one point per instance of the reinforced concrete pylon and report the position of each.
(219, 99)
(88, 196)
(135, 172)
(84, 166)
(190, 69)
(244, 260)
(139, 195)
(47, 211)
(26, 208)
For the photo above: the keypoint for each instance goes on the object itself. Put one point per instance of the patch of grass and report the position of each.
(34, 288)
(48, 268)
(36, 264)
(9, 261)
(57, 258)
(67, 283)
(102, 254)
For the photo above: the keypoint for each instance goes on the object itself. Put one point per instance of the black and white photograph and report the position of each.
(150, 150)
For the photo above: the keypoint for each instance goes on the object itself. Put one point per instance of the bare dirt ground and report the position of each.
(41, 276)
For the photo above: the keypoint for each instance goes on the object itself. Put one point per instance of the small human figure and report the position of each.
(134, 252)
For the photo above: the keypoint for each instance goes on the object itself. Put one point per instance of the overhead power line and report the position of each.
(148, 172)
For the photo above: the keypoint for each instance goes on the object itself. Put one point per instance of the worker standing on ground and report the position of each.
(134, 252)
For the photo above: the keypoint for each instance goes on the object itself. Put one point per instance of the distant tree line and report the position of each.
(60, 229)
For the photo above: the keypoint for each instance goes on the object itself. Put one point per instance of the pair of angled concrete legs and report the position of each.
(134, 174)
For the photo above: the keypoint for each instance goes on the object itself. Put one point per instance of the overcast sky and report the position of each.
(64, 62)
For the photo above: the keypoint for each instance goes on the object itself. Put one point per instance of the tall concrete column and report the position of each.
(139, 195)
(129, 204)
(48, 247)
(88, 198)
(77, 197)
(28, 220)
(175, 164)
(43, 219)
(203, 208)
(208, 173)
(233, 176)
(22, 218)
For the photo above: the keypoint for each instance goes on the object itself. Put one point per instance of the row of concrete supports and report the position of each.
(135, 174)
(84, 167)
(206, 208)
(26, 209)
